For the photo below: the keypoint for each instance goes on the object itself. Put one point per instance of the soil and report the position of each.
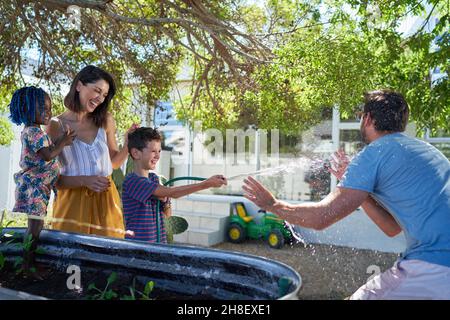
(54, 284)
(328, 272)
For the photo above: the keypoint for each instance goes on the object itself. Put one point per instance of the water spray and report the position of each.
(302, 163)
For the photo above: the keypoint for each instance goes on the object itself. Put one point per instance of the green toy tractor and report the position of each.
(268, 226)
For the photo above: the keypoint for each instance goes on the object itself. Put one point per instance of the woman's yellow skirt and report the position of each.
(82, 210)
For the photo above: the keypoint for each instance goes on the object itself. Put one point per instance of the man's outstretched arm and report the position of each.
(318, 216)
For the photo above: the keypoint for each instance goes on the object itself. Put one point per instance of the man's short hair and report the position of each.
(138, 138)
(388, 109)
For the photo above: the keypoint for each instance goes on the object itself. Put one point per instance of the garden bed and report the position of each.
(54, 286)
(177, 271)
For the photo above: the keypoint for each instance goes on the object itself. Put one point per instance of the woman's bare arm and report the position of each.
(118, 156)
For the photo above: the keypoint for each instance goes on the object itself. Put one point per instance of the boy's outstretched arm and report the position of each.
(177, 192)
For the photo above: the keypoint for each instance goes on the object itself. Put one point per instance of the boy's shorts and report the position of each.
(408, 280)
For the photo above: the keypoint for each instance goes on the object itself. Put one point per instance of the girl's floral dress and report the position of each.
(37, 177)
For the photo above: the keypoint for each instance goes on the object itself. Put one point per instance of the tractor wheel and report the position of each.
(275, 239)
(236, 233)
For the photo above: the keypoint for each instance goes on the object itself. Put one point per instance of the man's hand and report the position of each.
(339, 164)
(257, 193)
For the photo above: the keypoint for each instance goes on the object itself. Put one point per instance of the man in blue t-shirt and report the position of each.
(403, 184)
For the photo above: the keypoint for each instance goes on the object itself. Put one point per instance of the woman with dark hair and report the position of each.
(87, 199)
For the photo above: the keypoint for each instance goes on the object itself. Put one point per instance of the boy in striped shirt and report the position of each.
(141, 189)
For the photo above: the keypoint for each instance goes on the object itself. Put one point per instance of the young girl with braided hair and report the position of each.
(31, 107)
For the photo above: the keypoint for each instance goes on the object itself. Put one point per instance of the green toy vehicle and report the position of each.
(268, 226)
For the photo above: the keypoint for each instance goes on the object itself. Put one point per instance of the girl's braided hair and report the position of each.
(23, 105)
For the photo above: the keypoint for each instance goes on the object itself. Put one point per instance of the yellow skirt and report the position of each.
(82, 210)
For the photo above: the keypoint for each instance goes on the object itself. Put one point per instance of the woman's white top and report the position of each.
(84, 159)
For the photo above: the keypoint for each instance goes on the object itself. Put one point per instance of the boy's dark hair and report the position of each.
(388, 109)
(91, 74)
(22, 107)
(138, 138)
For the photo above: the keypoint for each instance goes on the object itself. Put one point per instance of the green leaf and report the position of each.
(112, 277)
(132, 295)
(92, 287)
(40, 250)
(110, 294)
(148, 288)
(176, 224)
(2, 260)
(28, 241)
(18, 261)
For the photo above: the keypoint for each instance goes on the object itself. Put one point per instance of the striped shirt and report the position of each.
(139, 208)
(84, 159)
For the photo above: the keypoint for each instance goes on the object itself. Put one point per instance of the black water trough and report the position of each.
(200, 273)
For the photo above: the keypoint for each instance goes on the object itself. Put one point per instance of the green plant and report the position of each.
(2, 261)
(26, 246)
(174, 225)
(143, 295)
(6, 133)
(147, 290)
(106, 293)
(6, 235)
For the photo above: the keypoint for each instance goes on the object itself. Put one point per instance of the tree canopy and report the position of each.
(330, 57)
(272, 64)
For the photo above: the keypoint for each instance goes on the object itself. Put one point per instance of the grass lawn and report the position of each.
(18, 219)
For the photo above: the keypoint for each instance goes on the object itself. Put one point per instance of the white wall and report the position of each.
(9, 164)
(356, 231)
(163, 165)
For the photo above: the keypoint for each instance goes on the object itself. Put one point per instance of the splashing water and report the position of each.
(302, 163)
(296, 237)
